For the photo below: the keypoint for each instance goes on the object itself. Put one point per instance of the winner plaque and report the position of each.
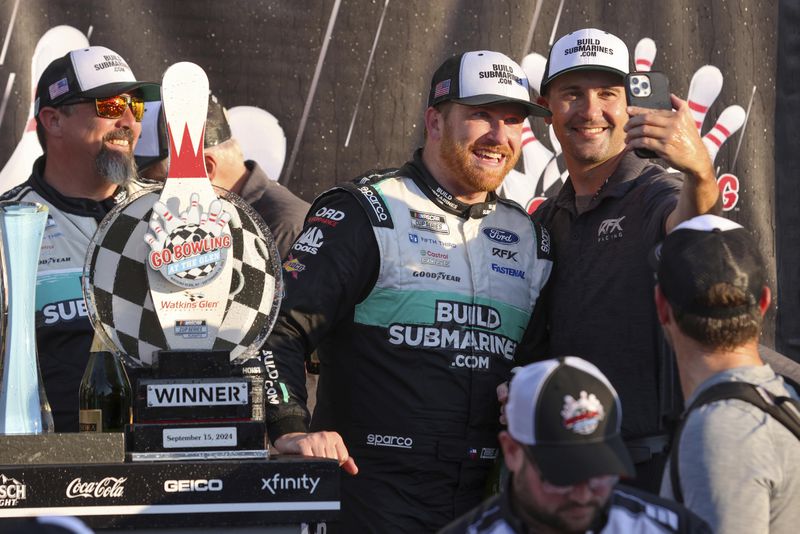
(184, 280)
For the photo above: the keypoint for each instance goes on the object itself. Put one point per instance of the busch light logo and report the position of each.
(498, 235)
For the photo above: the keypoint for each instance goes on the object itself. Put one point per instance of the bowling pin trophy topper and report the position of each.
(185, 281)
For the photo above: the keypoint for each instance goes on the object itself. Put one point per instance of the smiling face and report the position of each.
(477, 145)
(109, 142)
(588, 116)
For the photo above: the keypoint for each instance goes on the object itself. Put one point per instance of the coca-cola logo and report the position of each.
(108, 487)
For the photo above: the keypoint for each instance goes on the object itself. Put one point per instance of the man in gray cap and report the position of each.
(88, 111)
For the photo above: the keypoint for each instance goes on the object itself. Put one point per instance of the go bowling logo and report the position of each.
(189, 250)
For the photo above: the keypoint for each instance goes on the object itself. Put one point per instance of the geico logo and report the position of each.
(330, 213)
(68, 310)
(471, 362)
(176, 486)
(376, 204)
(380, 440)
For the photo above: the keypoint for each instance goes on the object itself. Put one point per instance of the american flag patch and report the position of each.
(442, 88)
(59, 88)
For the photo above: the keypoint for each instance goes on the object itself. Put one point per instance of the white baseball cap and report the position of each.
(482, 77)
(588, 49)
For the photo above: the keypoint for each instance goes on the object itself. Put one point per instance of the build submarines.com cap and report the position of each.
(93, 72)
(569, 415)
(482, 77)
(588, 49)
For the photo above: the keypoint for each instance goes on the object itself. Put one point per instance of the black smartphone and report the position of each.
(647, 90)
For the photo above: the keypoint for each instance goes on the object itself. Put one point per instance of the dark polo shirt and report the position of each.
(600, 304)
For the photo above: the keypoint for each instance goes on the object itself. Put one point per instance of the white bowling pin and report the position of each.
(704, 89)
(644, 54)
(534, 154)
(729, 121)
(56, 42)
(533, 66)
(260, 136)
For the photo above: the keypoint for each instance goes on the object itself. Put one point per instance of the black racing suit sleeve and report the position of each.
(331, 267)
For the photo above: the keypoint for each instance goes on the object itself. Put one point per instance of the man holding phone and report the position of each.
(612, 210)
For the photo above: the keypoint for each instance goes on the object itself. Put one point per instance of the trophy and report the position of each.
(184, 281)
(23, 404)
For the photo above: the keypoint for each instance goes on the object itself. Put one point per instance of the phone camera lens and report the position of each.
(636, 90)
(645, 85)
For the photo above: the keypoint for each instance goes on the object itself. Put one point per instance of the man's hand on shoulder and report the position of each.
(672, 135)
(319, 444)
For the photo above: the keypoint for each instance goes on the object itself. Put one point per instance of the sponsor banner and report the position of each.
(157, 494)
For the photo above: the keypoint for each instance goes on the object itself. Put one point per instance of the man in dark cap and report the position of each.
(565, 455)
(733, 464)
(281, 209)
(88, 111)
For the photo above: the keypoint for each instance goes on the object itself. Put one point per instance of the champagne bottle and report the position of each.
(105, 394)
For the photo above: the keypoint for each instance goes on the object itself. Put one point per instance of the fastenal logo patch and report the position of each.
(582, 415)
(189, 250)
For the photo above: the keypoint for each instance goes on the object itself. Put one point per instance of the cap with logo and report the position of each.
(569, 415)
(588, 49)
(482, 77)
(705, 251)
(93, 72)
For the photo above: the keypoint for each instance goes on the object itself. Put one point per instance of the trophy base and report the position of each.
(214, 440)
(196, 455)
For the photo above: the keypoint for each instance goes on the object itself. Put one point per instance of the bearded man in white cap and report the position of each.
(88, 110)
(422, 281)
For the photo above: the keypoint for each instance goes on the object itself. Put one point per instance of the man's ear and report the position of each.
(211, 165)
(50, 119)
(765, 300)
(542, 101)
(434, 123)
(662, 306)
(513, 455)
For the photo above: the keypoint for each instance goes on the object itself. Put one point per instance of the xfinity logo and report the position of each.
(310, 241)
(505, 254)
(281, 483)
(180, 486)
(498, 235)
(379, 440)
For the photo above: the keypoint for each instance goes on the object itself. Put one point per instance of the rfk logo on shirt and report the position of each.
(610, 229)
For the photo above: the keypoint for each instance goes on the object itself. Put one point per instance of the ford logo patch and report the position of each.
(499, 235)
